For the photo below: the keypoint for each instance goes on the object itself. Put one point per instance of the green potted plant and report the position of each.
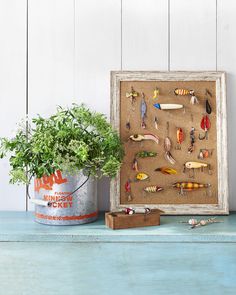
(64, 154)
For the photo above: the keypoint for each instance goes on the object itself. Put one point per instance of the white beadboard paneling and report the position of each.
(192, 35)
(98, 51)
(97, 41)
(12, 90)
(227, 62)
(145, 35)
(51, 56)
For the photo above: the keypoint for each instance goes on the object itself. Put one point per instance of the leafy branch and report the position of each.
(72, 139)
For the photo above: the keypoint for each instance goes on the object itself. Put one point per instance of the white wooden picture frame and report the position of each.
(221, 123)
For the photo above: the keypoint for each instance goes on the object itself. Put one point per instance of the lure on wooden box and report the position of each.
(141, 137)
(166, 170)
(180, 138)
(184, 92)
(141, 176)
(132, 211)
(168, 106)
(143, 111)
(192, 140)
(205, 125)
(156, 92)
(153, 189)
(192, 166)
(132, 95)
(128, 190)
(183, 186)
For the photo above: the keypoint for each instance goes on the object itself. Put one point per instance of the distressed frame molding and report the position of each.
(223, 193)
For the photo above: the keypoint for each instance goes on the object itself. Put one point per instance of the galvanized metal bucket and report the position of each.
(63, 207)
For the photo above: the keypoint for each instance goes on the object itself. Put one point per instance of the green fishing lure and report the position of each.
(145, 154)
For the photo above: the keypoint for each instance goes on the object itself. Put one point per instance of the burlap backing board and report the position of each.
(176, 118)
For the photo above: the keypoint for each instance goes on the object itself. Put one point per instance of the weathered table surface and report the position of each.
(92, 259)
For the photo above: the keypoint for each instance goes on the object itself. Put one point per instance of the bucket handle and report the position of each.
(49, 204)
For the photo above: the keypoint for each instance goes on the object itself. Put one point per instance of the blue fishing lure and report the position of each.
(143, 110)
(157, 105)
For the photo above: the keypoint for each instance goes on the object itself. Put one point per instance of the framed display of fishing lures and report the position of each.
(173, 128)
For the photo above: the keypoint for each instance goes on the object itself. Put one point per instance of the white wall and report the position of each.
(73, 45)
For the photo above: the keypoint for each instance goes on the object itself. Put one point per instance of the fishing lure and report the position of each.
(207, 104)
(205, 125)
(153, 189)
(128, 190)
(192, 140)
(193, 99)
(131, 211)
(195, 223)
(141, 176)
(168, 106)
(180, 138)
(167, 144)
(166, 170)
(208, 92)
(208, 107)
(132, 95)
(143, 111)
(205, 153)
(145, 154)
(156, 123)
(141, 137)
(167, 147)
(135, 165)
(142, 154)
(156, 93)
(189, 186)
(184, 92)
(196, 165)
(127, 125)
(169, 157)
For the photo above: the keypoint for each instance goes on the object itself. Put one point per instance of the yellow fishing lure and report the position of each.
(142, 176)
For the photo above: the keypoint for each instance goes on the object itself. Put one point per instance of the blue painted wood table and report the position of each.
(92, 259)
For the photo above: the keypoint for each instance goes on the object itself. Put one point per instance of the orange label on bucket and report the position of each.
(47, 182)
(59, 200)
(49, 217)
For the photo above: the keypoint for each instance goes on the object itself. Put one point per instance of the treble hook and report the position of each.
(192, 173)
(202, 137)
(181, 192)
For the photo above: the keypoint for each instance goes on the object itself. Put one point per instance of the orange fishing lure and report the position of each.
(180, 138)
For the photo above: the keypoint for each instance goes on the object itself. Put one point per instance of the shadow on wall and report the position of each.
(104, 194)
(231, 120)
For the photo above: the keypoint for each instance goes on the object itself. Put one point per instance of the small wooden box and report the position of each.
(119, 220)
